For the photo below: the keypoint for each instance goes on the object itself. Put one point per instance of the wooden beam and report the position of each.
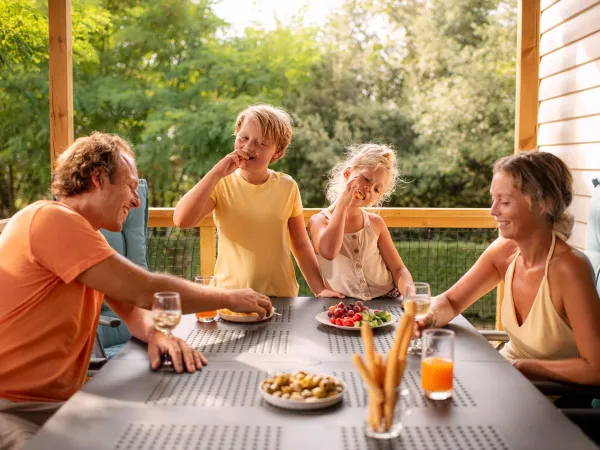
(61, 77)
(208, 250)
(393, 217)
(528, 63)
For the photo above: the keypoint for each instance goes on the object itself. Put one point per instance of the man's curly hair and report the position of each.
(74, 168)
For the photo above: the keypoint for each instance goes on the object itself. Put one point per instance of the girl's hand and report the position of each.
(330, 294)
(347, 196)
(230, 163)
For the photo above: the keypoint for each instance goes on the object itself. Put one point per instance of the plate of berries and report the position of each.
(352, 316)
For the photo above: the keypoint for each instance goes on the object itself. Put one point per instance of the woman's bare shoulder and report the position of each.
(569, 261)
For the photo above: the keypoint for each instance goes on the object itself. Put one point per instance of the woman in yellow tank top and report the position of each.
(550, 309)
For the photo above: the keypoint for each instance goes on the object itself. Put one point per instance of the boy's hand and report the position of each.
(330, 294)
(230, 162)
(249, 301)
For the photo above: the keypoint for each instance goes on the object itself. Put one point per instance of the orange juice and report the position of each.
(206, 315)
(436, 377)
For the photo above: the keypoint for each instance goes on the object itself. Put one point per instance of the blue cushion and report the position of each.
(130, 242)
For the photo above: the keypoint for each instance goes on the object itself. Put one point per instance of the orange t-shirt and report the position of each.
(47, 318)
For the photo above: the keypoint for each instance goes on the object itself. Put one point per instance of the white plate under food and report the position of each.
(324, 319)
(245, 318)
(304, 405)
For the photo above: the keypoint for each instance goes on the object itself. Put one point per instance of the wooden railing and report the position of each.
(393, 217)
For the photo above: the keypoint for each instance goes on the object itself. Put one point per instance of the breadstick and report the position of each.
(391, 372)
(374, 388)
(367, 336)
(377, 409)
(409, 313)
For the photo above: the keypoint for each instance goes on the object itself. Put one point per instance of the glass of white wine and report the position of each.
(166, 314)
(420, 293)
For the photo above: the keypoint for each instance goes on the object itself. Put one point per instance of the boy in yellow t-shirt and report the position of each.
(258, 212)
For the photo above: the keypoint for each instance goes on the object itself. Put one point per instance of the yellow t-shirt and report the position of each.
(254, 239)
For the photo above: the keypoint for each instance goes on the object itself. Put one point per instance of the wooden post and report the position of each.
(208, 250)
(527, 98)
(528, 63)
(61, 77)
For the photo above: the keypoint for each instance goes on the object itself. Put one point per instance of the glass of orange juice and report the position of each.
(206, 316)
(437, 363)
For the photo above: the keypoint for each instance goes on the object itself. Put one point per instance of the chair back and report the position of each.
(130, 242)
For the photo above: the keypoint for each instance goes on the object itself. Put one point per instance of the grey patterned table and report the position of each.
(127, 406)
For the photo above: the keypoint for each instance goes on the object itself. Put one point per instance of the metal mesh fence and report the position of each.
(436, 255)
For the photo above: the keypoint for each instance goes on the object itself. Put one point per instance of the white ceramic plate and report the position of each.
(324, 319)
(303, 405)
(244, 319)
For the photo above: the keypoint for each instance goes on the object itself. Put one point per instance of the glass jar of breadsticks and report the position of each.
(383, 378)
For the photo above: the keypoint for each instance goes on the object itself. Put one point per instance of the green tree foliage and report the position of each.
(434, 79)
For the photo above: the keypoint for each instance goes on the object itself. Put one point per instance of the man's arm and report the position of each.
(120, 279)
(140, 324)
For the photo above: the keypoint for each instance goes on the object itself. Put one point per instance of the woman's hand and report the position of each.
(426, 322)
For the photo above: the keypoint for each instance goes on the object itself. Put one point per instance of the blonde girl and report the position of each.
(354, 248)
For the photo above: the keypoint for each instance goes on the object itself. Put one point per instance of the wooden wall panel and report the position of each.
(582, 130)
(583, 77)
(545, 4)
(577, 156)
(579, 104)
(577, 238)
(580, 208)
(576, 54)
(582, 181)
(573, 30)
(562, 11)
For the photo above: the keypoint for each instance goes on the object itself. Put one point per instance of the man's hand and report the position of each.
(330, 294)
(249, 301)
(183, 356)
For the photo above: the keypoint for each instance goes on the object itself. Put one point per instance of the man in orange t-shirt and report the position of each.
(55, 271)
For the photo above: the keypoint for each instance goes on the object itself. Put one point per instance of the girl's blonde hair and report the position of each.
(369, 156)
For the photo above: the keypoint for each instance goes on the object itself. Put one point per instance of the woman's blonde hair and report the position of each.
(370, 156)
(544, 179)
(75, 167)
(275, 124)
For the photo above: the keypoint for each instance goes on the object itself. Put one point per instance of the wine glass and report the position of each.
(420, 293)
(166, 314)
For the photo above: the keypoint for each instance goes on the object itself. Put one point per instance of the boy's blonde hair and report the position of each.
(369, 156)
(275, 124)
